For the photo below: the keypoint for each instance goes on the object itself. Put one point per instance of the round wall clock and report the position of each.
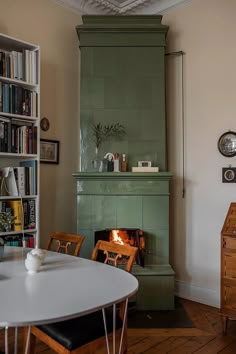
(44, 124)
(227, 144)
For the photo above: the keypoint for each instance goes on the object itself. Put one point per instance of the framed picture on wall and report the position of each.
(49, 151)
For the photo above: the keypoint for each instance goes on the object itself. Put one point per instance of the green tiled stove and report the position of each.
(122, 80)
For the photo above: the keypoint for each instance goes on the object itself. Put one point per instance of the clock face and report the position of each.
(44, 124)
(227, 144)
(229, 175)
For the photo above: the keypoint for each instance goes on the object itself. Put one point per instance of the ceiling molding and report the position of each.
(122, 7)
(160, 7)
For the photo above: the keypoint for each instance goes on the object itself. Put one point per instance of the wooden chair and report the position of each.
(86, 334)
(64, 242)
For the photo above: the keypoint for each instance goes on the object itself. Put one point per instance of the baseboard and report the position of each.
(197, 293)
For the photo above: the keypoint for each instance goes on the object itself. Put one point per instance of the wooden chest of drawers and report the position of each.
(228, 266)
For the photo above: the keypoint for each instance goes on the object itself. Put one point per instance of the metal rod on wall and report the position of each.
(181, 53)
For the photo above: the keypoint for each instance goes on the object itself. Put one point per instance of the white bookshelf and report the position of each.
(19, 123)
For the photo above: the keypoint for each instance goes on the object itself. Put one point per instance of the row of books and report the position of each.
(15, 138)
(19, 65)
(19, 240)
(18, 100)
(20, 180)
(23, 211)
(26, 177)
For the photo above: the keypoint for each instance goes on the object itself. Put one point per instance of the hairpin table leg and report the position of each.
(16, 340)
(6, 340)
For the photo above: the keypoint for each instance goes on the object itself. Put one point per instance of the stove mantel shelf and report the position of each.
(166, 176)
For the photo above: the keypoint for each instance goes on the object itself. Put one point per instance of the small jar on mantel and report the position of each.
(124, 163)
(116, 162)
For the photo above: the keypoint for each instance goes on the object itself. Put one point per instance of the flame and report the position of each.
(116, 238)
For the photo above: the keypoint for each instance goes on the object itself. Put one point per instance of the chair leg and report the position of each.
(32, 341)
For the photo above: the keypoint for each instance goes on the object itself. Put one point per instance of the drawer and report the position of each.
(228, 299)
(229, 265)
(230, 231)
(229, 242)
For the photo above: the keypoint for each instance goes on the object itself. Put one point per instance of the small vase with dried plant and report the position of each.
(104, 132)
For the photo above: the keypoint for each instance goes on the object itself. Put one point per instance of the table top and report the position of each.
(64, 287)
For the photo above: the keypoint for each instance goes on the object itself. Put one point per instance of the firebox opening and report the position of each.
(132, 237)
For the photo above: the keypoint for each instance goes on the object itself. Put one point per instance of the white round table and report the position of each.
(64, 287)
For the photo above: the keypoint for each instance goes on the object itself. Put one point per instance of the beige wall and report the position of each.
(205, 31)
(53, 28)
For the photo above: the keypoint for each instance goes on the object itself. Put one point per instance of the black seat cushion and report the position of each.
(79, 331)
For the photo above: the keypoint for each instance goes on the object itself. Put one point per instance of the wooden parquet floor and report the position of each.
(205, 338)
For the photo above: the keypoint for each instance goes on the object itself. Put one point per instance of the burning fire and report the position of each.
(116, 238)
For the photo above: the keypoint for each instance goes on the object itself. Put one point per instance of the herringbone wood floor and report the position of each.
(205, 338)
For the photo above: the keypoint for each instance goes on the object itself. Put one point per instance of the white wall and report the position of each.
(205, 31)
(53, 28)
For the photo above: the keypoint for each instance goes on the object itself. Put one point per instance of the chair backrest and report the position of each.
(113, 252)
(64, 242)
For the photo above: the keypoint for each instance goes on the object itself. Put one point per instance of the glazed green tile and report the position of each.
(103, 212)
(109, 61)
(84, 207)
(87, 56)
(88, 244)
(92, 93)
(146, 152)
(129, 211)
(140, 92)
(115, 93)
(158, 94)
(151, 128)
(155, 212)
(145, 58)
(157, 246)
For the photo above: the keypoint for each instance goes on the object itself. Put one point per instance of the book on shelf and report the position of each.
(16, 138)
(32, 165)
(0, 96)
(24, 211)
(19, 240)
(13, 240)
(15, 64)
(20, 179)
(29, 214)
(28, 240)
(18, 100)
(16, 207)
(19, 65)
